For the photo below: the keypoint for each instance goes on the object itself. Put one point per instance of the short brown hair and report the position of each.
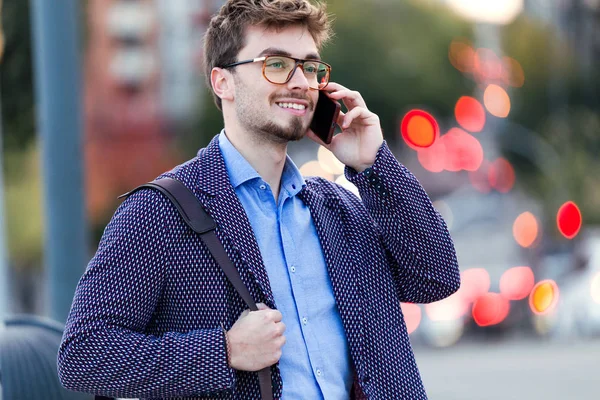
(225, 34)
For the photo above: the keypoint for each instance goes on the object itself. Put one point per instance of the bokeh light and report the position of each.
(433, 158)
(513, 72)
(501, 175)
(412, 316)
(494, 12)
(419, 129)
(595, 288)
(329, 162)
(490, 309)
(525, 229)
(474, 283)
(463, 151)
(461, 55)
(568, 220)
(448, 309)
(469, 114)
(516, 283)
(487, 66)
(314, 168)
(496, 101)
(543, 297)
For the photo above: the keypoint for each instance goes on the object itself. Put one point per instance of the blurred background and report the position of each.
(494, 106)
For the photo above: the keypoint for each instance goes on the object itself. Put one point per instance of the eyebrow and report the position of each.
(280, 52)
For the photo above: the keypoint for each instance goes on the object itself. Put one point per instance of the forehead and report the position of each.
(296, 40)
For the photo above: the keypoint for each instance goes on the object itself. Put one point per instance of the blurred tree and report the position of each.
(16, 77)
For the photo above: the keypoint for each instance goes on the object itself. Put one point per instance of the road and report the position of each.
(512, 371)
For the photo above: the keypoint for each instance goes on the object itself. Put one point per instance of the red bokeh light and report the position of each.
(463, 151)
(433, 158)
(568, 220)
(419, 129)
(412, 316)
(474, 283)
(516, 283)
(490, 309)
(487, 66)
(470, 114)
(501, 175)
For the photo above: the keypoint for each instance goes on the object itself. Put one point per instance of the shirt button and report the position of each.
(305, 320)
(263, 187)
(293, 269)
(318, 372)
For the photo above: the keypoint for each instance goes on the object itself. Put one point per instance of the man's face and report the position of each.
(263, 107)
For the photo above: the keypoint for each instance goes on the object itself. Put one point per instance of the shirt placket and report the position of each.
(299, 274)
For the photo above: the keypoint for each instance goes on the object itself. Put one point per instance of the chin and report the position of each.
(293, 132)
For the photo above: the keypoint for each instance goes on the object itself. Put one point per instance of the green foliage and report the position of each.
(16, 78)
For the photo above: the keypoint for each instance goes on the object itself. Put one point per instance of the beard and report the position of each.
(253, 117)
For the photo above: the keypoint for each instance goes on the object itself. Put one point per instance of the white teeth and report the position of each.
(295, 106)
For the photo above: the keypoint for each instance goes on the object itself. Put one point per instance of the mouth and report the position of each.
(293, 107)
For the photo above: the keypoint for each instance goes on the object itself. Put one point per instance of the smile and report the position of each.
(294, 106)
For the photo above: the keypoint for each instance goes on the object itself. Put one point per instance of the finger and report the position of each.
(280, 341)
(359, 113)
(340, 118)
(334, 87)
(280, 327)
(275, 315)
(349, 97)
(262, 306)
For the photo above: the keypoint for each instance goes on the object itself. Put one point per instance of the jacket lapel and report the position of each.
(233, 226)
(329, 221)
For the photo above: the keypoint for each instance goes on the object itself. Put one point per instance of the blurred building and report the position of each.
(142, 76)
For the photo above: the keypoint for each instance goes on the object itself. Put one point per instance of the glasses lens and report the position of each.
(316, 73)
(278, 69)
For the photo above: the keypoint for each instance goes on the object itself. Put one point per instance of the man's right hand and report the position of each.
(256, 339)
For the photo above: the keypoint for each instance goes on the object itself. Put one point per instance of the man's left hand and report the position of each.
(361, 137)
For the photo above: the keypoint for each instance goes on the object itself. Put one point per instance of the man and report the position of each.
(328, 269)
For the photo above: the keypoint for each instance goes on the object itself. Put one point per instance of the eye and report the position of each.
(310, 68)
(276, 63)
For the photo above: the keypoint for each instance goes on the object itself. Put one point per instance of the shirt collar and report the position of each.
(240, 170)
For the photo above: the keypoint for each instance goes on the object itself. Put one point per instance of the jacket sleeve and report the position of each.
(105, 349)
(414, 235)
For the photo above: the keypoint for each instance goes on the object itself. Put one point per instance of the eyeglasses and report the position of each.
(280, 69)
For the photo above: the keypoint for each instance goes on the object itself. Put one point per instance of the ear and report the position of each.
(222, 83)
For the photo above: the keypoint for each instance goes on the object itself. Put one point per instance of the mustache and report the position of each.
(311, 103)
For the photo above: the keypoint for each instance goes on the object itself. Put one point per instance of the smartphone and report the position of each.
(325, 117)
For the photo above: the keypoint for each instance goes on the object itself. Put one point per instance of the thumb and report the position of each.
(262, 306)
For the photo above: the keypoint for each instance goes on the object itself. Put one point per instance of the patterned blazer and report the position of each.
(148, 313)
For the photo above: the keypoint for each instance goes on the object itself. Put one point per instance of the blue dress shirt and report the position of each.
(315, 363)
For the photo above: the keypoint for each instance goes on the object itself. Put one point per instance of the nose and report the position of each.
(298, 80)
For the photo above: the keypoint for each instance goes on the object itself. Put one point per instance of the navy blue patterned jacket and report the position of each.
(147, 316)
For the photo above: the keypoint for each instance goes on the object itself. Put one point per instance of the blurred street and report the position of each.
(512, 371)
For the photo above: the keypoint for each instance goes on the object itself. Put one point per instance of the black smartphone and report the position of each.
(325, 117)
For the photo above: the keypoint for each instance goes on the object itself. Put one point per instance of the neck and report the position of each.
(265, 156)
